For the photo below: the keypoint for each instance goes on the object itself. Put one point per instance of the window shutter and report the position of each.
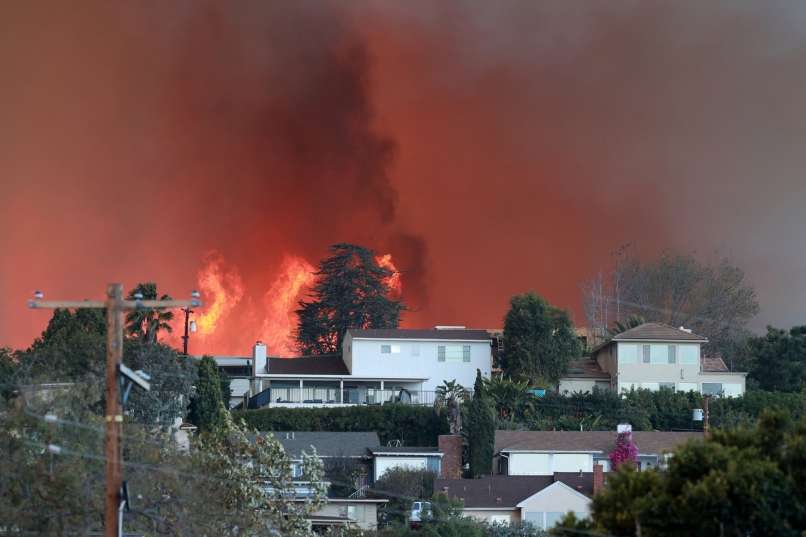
(441, 353)
(466, 353)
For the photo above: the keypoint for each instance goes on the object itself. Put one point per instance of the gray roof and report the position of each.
(431, 333)
(328, 444)
(657, 332)
(648, 442)
(325, 364)
(508, 491)
(585, 368)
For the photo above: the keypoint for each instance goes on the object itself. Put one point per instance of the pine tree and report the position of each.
(480, 430)
(351, 292)
(206, 409)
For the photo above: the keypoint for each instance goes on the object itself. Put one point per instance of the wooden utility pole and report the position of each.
(706, 427)
(115, 306)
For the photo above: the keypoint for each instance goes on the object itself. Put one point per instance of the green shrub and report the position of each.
(414, 425)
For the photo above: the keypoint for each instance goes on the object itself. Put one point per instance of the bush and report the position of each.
(414, 425)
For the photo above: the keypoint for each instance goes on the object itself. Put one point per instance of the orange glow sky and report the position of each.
(489, 148)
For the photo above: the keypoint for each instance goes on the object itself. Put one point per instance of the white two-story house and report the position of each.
(653, 356)
(375, 366)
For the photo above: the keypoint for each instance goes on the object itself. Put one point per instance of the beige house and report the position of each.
(653, 356)
(358, 513)
(539, 500)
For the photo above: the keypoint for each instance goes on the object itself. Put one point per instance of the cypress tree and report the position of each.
(206, 409)
(480, 430)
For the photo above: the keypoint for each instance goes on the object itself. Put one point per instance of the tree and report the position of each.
(448, 398)
(401, 486)
(146, 324)
(229, 484)
(625, 451)
(745, 481)
(677, 289)
(539, 340)
(480, 430)
(8, 371)
(351, 291)
(207, 409)
(778, 359)
(511, 398)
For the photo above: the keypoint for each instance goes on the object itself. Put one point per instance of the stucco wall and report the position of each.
(548, 463)
(556, 498)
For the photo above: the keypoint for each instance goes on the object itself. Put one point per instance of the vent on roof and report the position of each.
(449, 327)
(686, 330)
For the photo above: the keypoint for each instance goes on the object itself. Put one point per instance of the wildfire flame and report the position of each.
(296, 276)
(221, 288)
(393, 281)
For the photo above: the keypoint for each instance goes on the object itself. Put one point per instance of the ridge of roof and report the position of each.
(464, 334)
(659, 332)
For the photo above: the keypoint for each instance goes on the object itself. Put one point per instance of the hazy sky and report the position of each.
(490, 147)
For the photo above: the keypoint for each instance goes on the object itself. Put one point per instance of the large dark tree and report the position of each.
(480, 430)
(146, 324)
(712, 299)
(351, 291)
(539, 340)
(778, 359)
(206, 409)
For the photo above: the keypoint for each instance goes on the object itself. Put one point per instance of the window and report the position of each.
(689, 354)
(646, 353)
(390, 349)
(712, 388)
(453, 353)
(552, 518)
(672, 354)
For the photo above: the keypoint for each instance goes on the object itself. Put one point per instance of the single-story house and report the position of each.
(539, 500)
(546, 452)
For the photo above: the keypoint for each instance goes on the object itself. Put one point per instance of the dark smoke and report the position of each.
(490, 147)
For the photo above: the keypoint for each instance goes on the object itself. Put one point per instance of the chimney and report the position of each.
(260, 364)
(450, 445)
(598, 478)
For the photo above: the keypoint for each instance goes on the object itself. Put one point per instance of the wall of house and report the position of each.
(570, 385)
(634, 372)
(732, 384)
(548, 463)
(365, 515)
(416, 359)
(552, 503)
(492, 516)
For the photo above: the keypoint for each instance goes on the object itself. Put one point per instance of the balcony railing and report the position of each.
(325, 395)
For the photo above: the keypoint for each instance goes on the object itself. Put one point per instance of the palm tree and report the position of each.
(144, 324)
(449, 391)
(631, 322)
(510, 397)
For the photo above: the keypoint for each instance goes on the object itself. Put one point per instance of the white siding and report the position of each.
(548, 463)
(547, 507)
(418, 359)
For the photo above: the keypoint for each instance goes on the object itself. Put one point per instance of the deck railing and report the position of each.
(326, 395)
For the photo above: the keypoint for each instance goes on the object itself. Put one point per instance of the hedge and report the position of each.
(662, 410)
(413, 425)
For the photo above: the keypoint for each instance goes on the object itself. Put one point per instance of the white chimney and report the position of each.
(259, 363)
(623, 428)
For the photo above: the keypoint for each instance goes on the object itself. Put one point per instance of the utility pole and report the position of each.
(115, 306)
(706, 427)
(191, 325)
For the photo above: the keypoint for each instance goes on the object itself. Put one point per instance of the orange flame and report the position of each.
(393, 281)
(221, 289)
(296, 276)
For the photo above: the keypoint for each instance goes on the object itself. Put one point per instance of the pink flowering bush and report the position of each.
(625, 451)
